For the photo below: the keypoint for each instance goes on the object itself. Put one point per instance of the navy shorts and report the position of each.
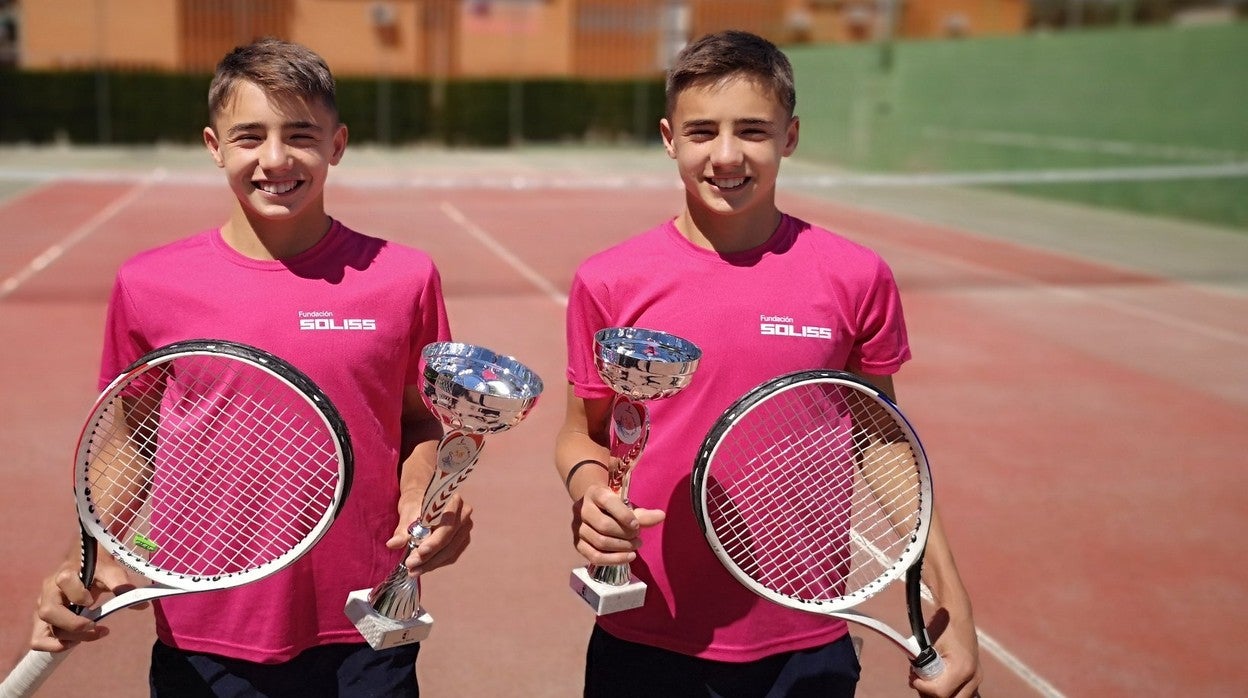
(328, 671)
(614, 667)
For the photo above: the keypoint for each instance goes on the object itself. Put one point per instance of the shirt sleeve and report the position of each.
(882, 345)
(430, 324)
(123, 341)
(586, 315)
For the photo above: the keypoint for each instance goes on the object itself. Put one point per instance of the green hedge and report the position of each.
(90, 107)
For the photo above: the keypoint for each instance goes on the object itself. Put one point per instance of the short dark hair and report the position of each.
(716, 56)
(280, 68)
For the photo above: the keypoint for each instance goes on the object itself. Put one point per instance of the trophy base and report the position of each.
(607, 598)
(381, 632)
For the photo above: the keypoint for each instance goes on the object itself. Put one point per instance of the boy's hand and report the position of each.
(443, 545)
(958, 646)
(605, 530)
(56, 626)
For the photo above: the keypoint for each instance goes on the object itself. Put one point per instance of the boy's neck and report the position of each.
(731, 233)
(266, 239)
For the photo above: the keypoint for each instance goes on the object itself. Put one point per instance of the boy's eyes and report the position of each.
(747, 132)
(301, 137)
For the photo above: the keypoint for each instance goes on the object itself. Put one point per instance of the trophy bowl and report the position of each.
(476, 390)
(644, 364)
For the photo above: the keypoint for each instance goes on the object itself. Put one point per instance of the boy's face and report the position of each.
(276, 152)
(727, 139)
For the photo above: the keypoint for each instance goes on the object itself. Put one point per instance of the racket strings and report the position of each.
(814, 493)
(206, 466)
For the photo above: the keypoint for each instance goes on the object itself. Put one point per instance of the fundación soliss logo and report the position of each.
(782, 326)
(325, 320)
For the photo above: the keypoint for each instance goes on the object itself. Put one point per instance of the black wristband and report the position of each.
(567, 481)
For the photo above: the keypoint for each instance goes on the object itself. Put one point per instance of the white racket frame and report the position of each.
(842, 607)
(36, 666)
(164, 583)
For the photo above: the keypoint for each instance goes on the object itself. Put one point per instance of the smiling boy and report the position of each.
(277, 262)
(761, 293)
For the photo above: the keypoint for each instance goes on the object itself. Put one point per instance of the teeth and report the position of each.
(728, 183)
(277, 187)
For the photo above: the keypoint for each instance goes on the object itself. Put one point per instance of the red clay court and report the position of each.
(1080, 381)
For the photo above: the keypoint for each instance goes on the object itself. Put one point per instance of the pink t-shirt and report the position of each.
(353, 314)
(806, 299)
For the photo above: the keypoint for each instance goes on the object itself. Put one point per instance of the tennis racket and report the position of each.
(205, 465)
(814, 492)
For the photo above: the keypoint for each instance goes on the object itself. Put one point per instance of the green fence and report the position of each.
(1153, 120)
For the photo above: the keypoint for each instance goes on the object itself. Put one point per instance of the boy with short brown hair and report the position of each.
(726, 268)
(270, 276)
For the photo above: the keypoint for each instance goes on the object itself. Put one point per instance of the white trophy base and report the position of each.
(607, 598)
(381, 632)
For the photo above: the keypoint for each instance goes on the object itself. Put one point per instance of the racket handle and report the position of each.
(30, 673)
(927, 667)
(928, 664)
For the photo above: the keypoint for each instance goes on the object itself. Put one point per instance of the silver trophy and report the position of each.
(474, 392)
(640, 365)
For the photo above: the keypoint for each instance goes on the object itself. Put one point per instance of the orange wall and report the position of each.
(79, 33)
(347, 35)
(519, 37)
(474, 38)
(948, 18)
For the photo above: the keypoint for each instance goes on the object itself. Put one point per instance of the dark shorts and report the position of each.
(614, 667)
(329, 671)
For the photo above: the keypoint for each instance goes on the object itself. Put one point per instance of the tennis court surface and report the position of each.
(1080, 381)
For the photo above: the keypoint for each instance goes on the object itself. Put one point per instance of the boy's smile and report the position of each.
(278, 188)
(725, 184)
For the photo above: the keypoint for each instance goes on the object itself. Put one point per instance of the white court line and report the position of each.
(1147, 173)
(56, 251)
(1077, 144)
(989, 643)
(564, 182)
(547, 288)
(1072, 293)
(1011, 662)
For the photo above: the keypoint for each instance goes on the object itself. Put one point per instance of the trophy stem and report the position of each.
(398, 595)
(615, 575)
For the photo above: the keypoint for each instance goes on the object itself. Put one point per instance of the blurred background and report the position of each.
(1139, 105)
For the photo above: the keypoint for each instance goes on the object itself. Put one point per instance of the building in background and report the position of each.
(8, 33)
(463, 38)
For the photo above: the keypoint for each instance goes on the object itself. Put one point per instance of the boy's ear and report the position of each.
(340, 144)
(665, 130)
(213, 145)
(790, 137)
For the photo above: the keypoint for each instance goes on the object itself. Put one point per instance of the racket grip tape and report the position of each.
(30, 673)
(928, 664)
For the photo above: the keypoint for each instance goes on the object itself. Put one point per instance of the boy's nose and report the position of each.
(727, 151)
(273, 155)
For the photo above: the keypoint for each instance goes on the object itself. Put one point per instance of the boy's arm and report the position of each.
(421, 431)
(604, 528)
(957, 642)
